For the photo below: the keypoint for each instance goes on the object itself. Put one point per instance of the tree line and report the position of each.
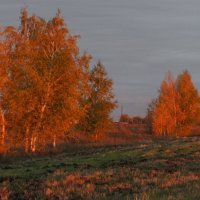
(47, 88)
(176, 110)
(125, 118)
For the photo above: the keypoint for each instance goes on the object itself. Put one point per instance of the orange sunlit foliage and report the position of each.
(165, 113)
(45, 83)
(100, 102)
(176, 110)
(189, 103)
(5, 46)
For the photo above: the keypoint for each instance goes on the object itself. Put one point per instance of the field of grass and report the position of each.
(146, 169)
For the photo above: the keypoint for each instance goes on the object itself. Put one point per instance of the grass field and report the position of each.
(145, 169)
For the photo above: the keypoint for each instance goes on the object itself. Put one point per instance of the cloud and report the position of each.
(138, 40)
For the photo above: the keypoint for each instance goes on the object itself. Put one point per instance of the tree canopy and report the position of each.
(44, 82)
(176, 109)
(100, 101)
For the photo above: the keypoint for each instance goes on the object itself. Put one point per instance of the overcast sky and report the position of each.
(137, 40)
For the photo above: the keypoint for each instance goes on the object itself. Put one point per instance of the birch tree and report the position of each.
(47, 77)
(177, 106)
(100, 102)
(189, 103)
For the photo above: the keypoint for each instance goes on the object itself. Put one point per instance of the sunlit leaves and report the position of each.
(176, 109)
(46, 86)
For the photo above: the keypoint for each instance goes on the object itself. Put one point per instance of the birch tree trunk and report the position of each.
(54, 141)
(27, 140)
(3, 128)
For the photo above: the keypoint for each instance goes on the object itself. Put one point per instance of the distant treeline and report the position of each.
(132, 120)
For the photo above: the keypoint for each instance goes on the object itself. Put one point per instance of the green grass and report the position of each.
(160, 169)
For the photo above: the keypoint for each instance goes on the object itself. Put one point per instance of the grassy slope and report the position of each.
(158, 169)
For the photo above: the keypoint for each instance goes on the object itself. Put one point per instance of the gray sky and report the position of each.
(137, 40)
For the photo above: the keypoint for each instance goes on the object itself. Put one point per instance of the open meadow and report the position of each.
(144, 168)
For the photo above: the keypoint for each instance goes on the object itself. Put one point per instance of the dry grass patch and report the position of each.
(120, 181)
